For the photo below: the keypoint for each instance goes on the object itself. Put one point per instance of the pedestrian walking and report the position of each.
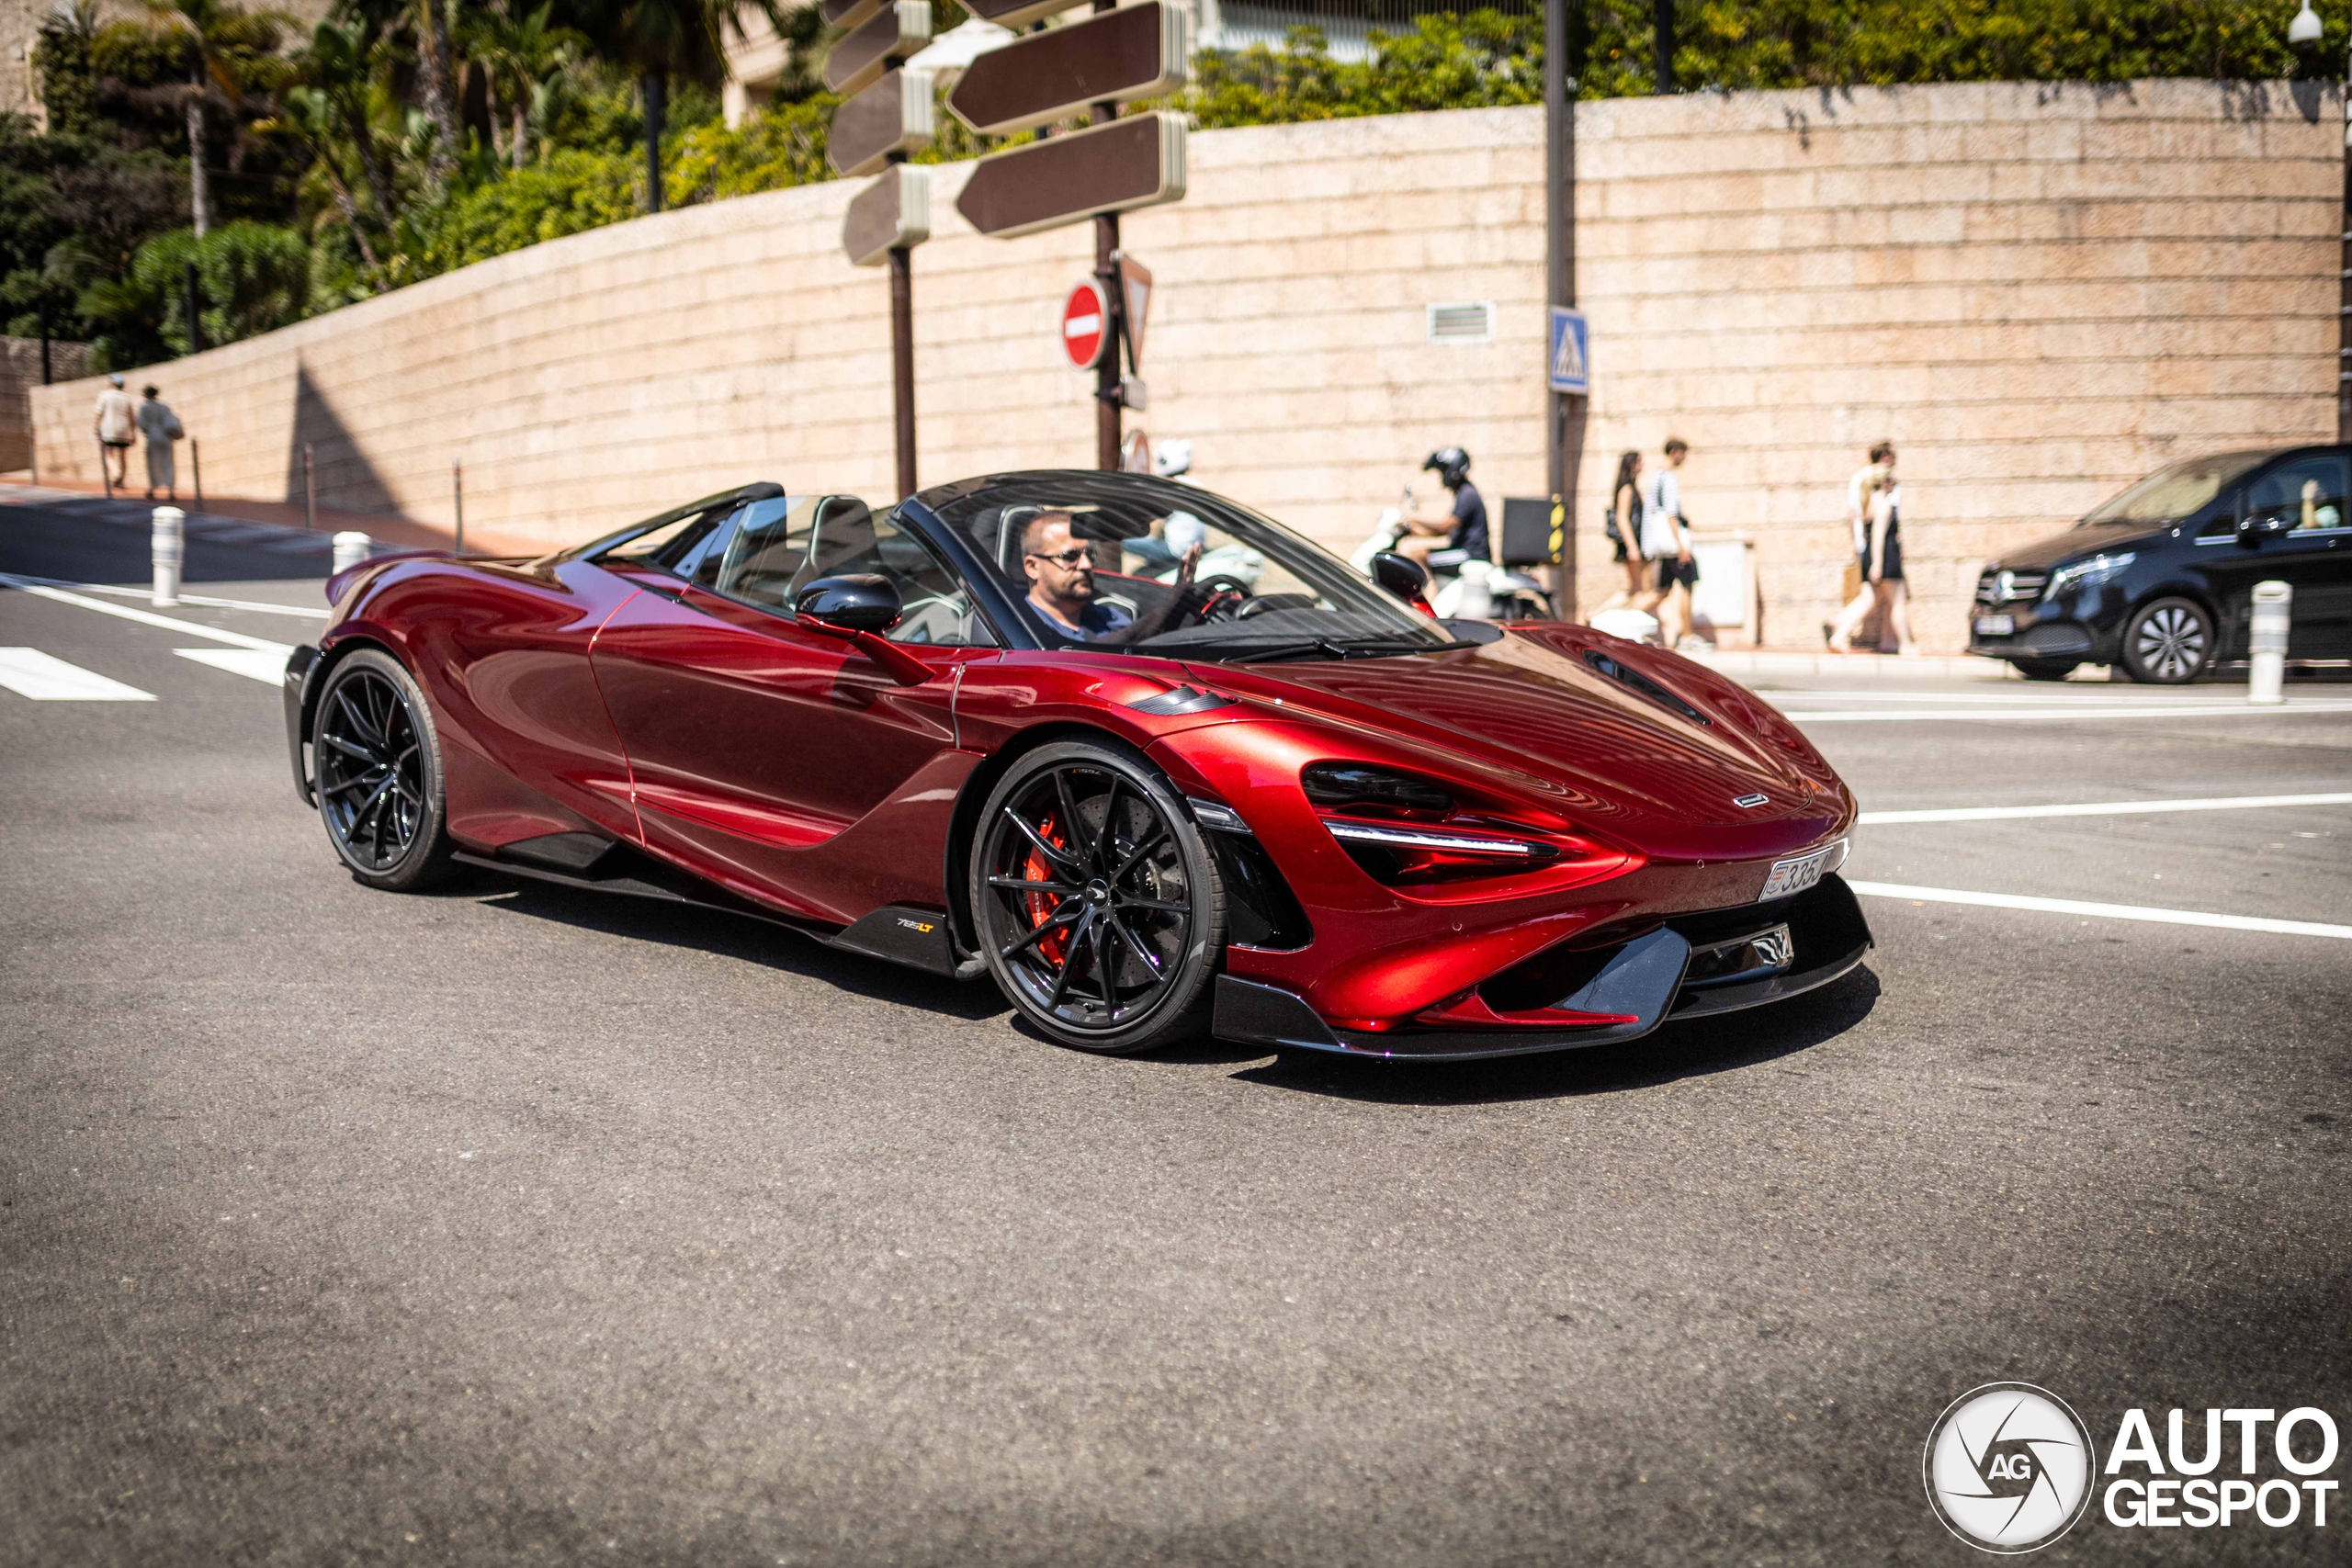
(117, 422)
(161, 426)
(1666, 540)
(1623, 524)
(1874, 515)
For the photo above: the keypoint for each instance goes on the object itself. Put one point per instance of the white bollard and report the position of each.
(350, 548)
(166, 547)
(2272, 607)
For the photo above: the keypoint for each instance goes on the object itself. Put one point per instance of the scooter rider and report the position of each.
(1462, 527)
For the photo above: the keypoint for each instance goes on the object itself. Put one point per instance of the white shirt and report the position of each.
(1661, 504)
(117, 416)
(1858, 491)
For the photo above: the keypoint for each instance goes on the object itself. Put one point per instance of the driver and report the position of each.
(1061, 584)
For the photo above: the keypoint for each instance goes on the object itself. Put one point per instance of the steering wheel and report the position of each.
(1223, 598)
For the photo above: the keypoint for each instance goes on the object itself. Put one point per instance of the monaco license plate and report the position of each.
(1995, 626)
(1794, 875)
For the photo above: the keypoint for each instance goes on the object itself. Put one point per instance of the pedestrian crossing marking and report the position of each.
(253, 663)
(30, 672)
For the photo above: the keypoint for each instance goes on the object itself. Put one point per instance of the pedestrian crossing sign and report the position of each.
(1571, 345)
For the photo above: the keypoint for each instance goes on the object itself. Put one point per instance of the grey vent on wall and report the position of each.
(1471, 322)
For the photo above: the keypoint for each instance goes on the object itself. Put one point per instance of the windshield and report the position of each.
(1123, 562)
(2170, 494)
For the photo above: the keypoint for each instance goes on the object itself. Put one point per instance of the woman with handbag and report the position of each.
(1623, 525)
(161, 426)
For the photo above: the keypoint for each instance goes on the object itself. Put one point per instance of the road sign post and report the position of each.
(1113, 166)
(887, 116)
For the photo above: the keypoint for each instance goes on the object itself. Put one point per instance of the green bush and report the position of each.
(1447, 61)
(567, 192)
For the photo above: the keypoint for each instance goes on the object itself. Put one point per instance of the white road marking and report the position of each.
(2102, 911)
(2102, 808)
(254, 604)
(165, 623)
(2018, 714)
(30, 672)
(253, 663)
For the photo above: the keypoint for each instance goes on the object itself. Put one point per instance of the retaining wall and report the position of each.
(2038, 291)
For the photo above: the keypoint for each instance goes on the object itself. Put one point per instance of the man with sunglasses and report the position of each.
(1061, 584)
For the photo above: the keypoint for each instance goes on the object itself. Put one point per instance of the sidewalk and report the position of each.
(389, 532)
(1748, 661)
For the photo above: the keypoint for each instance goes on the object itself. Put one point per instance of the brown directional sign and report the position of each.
(892, 115)
(893, 33)
(893, 213)
(1011, 13)
(1136, 162)
(1138, 52)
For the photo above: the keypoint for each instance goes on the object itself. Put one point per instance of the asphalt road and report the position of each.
(511, 1225)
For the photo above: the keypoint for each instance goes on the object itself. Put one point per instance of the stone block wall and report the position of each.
(2037, 290)
(19, 373)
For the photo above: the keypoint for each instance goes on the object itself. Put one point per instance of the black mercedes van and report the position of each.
(2160, 580)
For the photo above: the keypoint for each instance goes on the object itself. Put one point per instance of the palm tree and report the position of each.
(435, 85)
(671, 38)
(213, 28)
(525, 53)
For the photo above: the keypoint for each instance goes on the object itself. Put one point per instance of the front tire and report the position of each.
(2168, 642)
(378, 760)
(1096, 900)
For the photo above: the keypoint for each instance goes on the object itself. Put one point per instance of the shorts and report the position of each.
(1673, 570)
(1891, 569)
(115, 445)
(1617, 545)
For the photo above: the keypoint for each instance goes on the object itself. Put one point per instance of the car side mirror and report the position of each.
(1409, 579)
(865, 601)
(858, 608)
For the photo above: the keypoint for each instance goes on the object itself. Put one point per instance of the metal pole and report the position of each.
(1662, 41)
(902, 362)
(2344, 282)
(309, 491)
(1559, 285)
(1106, 267)
(195, 467)
(45, 378)
(2266, 642)
(457, 494)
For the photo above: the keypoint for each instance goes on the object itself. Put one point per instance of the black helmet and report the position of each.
(1452, 466)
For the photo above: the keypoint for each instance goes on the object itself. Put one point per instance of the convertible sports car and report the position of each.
(1153, 762)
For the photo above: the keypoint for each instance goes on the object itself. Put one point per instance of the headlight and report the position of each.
(2086, 573)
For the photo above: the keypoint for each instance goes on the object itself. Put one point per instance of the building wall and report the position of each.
(2037, 290)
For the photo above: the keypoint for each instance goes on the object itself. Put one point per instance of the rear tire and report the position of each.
(1096, 899)
(2168, 642)
(2045, 669)
(377, 761)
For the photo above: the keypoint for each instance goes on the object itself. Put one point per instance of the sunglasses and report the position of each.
(1072, 557)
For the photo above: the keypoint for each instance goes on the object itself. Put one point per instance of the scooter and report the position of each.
(1460, 587)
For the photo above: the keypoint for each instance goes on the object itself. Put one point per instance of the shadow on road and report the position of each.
(738, 937)
(1676, 1050)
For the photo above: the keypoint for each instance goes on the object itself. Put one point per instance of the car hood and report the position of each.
(1533, 712)
(2043, 554)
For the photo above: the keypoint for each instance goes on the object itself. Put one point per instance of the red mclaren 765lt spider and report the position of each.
(1153, 764)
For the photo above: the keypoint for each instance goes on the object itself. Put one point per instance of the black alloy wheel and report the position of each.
(2169, 643)
(1095, 899)
(376, 763)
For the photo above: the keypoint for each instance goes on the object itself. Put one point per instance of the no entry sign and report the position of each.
(1086, 325)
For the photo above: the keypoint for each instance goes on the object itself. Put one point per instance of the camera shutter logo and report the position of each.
(2008, 1467)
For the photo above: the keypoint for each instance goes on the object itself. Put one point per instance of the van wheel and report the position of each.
(2168, 642)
